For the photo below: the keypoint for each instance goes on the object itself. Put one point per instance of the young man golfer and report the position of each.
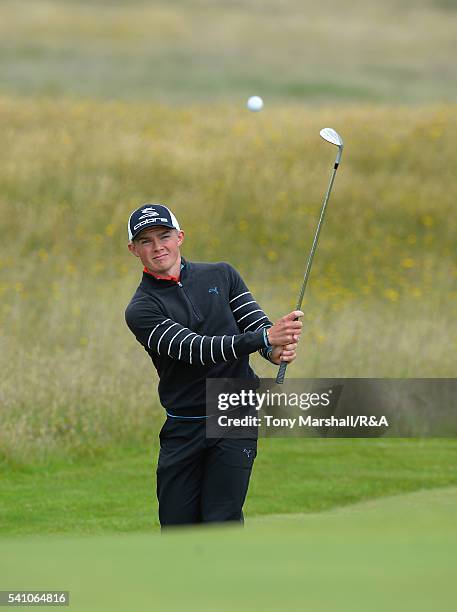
(197, 320)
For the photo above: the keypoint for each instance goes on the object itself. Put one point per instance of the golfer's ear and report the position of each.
(132, 248)
(180, 237)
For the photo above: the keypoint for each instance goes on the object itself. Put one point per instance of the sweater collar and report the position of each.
(174, 279)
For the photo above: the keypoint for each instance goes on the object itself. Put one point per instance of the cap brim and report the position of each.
(148, 227)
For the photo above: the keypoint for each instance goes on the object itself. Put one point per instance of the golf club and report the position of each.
(333, 137)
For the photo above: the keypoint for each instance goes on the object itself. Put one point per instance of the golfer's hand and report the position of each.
(284, 353)
(286, 330)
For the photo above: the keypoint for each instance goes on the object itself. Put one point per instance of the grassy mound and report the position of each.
(392, 554)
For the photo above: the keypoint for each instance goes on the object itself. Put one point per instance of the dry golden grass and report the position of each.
(247, 188)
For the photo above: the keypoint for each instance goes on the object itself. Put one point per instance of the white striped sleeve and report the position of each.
(180, 344)
(150, 335)
(222, 348)
(168, 339)
(201, 350)
(243, 305)
(251, 324)
(160, 340)
(190, 348)
(249, 314)
(250, 311)
(233, 348)
(238, 296)
(177, 334)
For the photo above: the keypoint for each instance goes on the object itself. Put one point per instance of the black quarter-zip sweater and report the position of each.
(203, 326)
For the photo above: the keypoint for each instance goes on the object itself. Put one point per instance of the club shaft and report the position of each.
(316, 238)
(282, 368)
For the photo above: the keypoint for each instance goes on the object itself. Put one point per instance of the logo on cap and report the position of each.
(148, 212)
(149, 220)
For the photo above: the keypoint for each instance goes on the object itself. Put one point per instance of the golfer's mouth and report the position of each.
(161, 256)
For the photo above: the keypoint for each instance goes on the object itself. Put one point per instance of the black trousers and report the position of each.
(201, 480)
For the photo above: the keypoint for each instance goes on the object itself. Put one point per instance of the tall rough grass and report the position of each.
(199, 49)
(247, 189)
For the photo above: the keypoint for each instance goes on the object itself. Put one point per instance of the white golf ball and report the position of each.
(255, 103)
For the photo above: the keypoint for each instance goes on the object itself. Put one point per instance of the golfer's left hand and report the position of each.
(284, 353)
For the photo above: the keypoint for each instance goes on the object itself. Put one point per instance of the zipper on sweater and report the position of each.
(196, 313)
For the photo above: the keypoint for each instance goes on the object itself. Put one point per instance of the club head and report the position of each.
(330, 135)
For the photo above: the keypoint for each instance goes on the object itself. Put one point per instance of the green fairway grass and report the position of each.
(393, 554)
(116, 493)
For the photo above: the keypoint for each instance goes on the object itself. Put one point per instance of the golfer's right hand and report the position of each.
(286, 330)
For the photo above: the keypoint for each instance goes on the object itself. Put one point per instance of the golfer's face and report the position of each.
(158, 249)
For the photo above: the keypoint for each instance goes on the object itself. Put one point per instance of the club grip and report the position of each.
(281, 373)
